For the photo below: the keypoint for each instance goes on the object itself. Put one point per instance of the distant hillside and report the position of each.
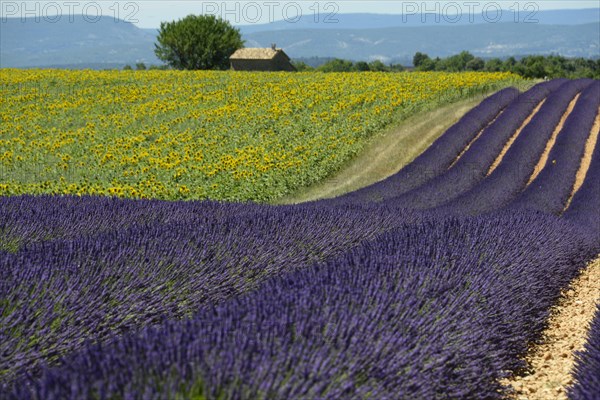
(400, 44)
(377, 21)
(109, 42)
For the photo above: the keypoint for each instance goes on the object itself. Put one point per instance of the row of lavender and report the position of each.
(239, 300)
(584, 212)
(435, 309)
(90, 266)
(585, 207)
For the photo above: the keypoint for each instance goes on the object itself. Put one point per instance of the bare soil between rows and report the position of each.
(512, 139)
(544, 158)
(553, 360)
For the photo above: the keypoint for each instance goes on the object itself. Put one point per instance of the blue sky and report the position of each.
(149, 13)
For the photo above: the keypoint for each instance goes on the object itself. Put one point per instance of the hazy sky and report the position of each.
(149, 13)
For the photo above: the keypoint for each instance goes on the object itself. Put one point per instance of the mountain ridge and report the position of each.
(375, 20)
(116, 42)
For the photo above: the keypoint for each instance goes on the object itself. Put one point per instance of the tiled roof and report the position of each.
(253, 53)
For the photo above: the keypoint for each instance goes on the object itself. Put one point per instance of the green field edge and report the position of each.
(388, 151)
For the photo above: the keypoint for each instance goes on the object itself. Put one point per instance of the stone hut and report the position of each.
(260, 59)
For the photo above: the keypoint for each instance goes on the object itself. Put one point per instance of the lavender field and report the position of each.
(430, 284)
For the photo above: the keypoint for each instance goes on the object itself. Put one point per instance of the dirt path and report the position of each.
(511, 140)
(552, 361)
(388, 153)
(586, 160)
(544, 158)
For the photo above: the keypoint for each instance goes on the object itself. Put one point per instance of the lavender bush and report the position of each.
(585, 205)
(587, 368)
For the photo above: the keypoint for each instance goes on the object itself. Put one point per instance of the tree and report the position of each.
(361, 66)
(493, 65)
(476, 64)
(457, 62)
(419, 59)
(510, 64)
(377, 66)
(140, 66)
(465, 57)
(197, 42)
(396, 67)
(336, 65)
(302, 66)
(428, 64)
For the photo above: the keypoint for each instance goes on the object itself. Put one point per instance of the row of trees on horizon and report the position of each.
(534, 66)
(206, 42)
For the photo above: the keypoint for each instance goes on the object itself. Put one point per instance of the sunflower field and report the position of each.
(234, 136)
